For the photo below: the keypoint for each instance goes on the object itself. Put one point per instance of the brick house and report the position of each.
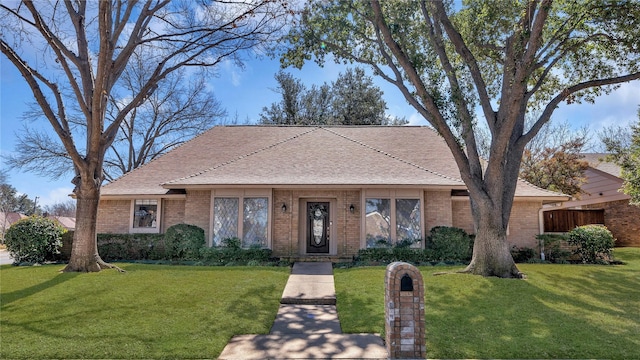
(601, 203)
(307, 191)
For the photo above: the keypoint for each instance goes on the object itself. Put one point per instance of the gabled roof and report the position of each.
(598, 161)
(8, 218)
(283, 156)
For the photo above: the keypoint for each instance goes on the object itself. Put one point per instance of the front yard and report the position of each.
(560, 311)
(150, 312)
(154, 311)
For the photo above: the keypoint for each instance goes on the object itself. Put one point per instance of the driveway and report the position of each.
(5, 258)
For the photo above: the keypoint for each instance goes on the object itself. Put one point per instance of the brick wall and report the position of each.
(438, 210)
(462, 215)
(197, 210)
(283, 241)
(113, 216)
(172, 213)
(622, 219)
(524, 224)
(287, 238)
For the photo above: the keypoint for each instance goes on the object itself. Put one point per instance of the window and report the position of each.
(254, 224)
(225, 219)
(249, 222)
(391, 220)
(408, 221)
(145, 215)
(378, 222)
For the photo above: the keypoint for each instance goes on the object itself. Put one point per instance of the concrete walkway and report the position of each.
(307, 324)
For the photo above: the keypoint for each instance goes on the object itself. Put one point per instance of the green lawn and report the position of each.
(560, 311)
(151, 311)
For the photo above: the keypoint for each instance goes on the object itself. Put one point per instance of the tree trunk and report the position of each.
(491, 255)
(84, 251)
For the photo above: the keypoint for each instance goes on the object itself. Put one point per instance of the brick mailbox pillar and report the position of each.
(404, 312)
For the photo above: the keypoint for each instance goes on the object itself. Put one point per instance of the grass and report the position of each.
(560, 311)
(157, 311)
(152, 311)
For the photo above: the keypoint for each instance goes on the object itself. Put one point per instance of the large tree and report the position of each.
(623, 146)
(91, 44)
(180, 108)
(352, 99)
(553, 160)
(504, 58)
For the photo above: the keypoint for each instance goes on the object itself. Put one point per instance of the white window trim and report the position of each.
(240, 194)
(135, 230)
(392, 195)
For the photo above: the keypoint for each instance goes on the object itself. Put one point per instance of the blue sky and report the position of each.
(246, 91)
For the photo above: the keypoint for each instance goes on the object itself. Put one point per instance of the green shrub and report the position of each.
(228, 256)
(232, 243)
(401, 251)
(374, 255)
(523, 254)
(449, 243)
(112, 247)
(183, 242)
(552, 245)
(594, 243)
(34, 240)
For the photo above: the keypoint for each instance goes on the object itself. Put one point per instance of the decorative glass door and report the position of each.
(318, 227)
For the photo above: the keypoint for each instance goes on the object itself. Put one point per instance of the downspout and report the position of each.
(541, 231)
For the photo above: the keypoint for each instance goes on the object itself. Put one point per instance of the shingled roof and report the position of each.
(284, 156)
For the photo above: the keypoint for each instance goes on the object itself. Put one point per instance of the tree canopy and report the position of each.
(553, 160)
(352, 99)
(623, 147)
(505, 58)
(73, 55)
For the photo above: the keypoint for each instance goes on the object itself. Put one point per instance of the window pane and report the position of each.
(225, 219)
(145, 214)
(378, 221)
(408, 220)
(254, 224)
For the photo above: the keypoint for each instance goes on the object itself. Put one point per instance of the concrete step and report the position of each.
(310, 283)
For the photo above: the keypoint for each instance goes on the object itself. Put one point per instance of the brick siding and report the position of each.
(197, 210)
(172, 213)
(113, 216)
(286, 232)
(440, 210)
(524, 222)
(622, 219)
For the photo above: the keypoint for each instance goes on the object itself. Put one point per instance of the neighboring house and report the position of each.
(307, 191)
(7, 219)
(601, 203)
(69, 223)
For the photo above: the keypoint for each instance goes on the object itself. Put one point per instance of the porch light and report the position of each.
(352, 208)
(284, 207)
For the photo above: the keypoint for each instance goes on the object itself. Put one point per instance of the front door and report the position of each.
(318, 227)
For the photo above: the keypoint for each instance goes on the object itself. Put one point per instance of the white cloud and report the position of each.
(416, 119)
(56, 195)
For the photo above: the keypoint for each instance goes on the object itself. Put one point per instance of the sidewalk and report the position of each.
(307, 324)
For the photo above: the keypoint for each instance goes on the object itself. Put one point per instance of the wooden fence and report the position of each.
(566, 219)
